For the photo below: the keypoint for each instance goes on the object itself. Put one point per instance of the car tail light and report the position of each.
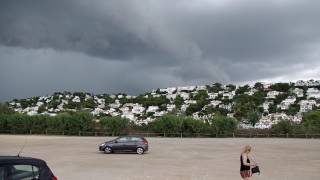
(145, 141)
(54, 177)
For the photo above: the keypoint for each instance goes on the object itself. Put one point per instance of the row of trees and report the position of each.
(310, 124)
(73, 122)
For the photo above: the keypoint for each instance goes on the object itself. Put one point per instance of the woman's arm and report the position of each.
(244, 159)
(252, 161)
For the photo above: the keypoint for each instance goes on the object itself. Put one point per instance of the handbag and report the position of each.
(255, 170)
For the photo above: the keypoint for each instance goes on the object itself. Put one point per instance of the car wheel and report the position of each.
(107, 150)
(140, 150)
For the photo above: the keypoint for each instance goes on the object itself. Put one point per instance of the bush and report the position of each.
(114, 125)
(311, 121)
(283, 127)
(224, 124)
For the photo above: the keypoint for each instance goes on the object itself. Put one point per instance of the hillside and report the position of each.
(260, 105)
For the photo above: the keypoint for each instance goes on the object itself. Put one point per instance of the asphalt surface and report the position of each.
(77, 158)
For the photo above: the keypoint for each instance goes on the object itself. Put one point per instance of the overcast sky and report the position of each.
(133, 46)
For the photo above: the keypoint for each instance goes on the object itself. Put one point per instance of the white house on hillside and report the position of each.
(307, 105)
(313, 93)
(272, 94)
(298, 92)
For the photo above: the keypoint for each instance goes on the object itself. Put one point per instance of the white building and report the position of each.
(170, 90)
(313, 83)
(76, 99)
(199, 88)
(266, 106)
(298, 92)
(138, 109)
(187, 88)
(229, 95)
(266, 85)
(307, 105)
(300, 83)
(86, 97)
(313, 93)
(171, 96)
(271, 119)
(144, 121)
(159, 114)
(215, 103)
(184, 95)
(170, 107)
(213, 95)
(284, 105)
(272, 94)
(184, 107)
(125, 109)
(156, 95)
(196, 115)
(152, 109)
(97, 111)
(251, 92)
(129, 116)
(115, 105)
(226, 106)
(263, 123)
(190, 102)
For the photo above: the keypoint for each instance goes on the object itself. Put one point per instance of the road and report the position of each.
(77, 158)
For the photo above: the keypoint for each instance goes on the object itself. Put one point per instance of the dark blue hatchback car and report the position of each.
(136, 144)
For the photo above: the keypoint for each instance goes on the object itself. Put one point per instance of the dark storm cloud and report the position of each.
(154, 43)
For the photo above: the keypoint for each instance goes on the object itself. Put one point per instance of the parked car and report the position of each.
(136, 144)
(26, 168)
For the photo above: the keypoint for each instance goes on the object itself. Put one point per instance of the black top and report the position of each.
(244, 167)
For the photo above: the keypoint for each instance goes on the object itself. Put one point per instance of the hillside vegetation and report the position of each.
(212, 109)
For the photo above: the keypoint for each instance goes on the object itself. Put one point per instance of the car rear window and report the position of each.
(19, 172)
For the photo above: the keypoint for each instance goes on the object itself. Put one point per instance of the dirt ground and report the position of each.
(77, 158)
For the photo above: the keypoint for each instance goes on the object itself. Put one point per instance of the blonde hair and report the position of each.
(246, 149)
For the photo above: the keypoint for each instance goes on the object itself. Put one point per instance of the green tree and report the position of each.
(215, 88)
(253, 117)
(191, 126)
(115, 125)
(282, 87)
(169, 124)
(311, 121)
(242, 89)
(283, 127)
(224, 124)
(272, 108)
(4, 109)
(231, 87)
(41, 109)
(178, 101)
(280, 98)
(89, 103)
(259, 86)
(293, 109)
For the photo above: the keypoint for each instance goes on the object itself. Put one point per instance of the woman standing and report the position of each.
(246, 163)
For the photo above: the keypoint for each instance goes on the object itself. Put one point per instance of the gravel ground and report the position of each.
(170, 158)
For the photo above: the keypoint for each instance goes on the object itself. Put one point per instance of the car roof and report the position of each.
(18, 159)
(132, 136)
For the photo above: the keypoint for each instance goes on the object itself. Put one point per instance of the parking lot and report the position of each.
(170, 158)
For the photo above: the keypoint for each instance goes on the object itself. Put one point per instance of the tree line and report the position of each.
(71, 123)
